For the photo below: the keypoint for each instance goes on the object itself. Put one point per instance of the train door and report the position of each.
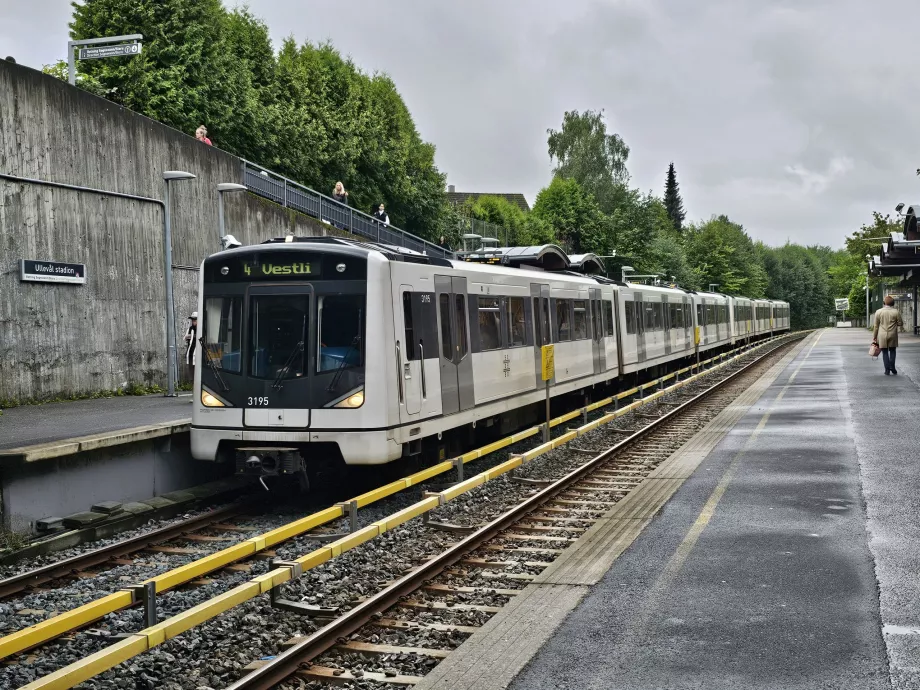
(666, 323)
(541, 326)
(640, 326)
(410, 353)
(454, 351)
(597, 332)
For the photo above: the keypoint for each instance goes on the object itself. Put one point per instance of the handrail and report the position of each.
(290, 194)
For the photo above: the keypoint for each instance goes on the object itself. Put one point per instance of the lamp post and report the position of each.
(623, 271)
(868, 271)
(221, 188)
(171, 364)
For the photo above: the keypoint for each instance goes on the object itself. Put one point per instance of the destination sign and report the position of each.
(271, 269)
(51, 272)
(121, 50)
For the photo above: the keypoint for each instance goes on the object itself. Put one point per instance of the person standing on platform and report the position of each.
(887, 324)
(339, 193)
(190, 338)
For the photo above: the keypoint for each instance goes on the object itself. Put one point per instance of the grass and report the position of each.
(130, 389)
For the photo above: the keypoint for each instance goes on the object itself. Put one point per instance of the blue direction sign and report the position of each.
(51, 272)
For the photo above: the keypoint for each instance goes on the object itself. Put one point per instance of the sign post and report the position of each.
(113, 46)
(841, 305)
(33, 271)
(548, 362)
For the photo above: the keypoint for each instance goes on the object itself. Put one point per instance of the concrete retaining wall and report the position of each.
(62, 339)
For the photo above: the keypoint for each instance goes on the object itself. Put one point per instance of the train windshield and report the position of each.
(223, 332)
(279, 325)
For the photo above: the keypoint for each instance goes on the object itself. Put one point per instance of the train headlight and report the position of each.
(209, 400)
(354, 400)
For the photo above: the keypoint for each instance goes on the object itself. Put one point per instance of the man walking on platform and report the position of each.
(887, 324)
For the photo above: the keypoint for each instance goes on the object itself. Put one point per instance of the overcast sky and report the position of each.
(797, 118)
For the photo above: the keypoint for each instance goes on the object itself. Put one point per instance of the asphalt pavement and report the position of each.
(790, 559)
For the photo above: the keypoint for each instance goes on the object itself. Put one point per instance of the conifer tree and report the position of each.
(672, 201)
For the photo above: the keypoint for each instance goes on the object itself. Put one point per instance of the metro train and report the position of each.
(325, 349)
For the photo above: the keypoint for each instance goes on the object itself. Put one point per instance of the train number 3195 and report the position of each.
(258, 402)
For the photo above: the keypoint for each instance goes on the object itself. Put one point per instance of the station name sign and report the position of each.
(120, 50)
(51, 272)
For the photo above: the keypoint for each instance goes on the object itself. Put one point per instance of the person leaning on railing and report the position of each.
(381, 215)
(339, 193)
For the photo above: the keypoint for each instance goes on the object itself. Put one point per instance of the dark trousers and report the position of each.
(888, 355)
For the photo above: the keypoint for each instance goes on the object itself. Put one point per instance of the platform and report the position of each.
(37, 432)
(789, 556)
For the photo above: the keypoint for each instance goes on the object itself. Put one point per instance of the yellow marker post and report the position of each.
(548, 362)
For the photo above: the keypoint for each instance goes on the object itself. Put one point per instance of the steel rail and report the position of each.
(53, 571)
(281, 667)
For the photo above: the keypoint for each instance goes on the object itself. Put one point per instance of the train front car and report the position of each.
(284, 356)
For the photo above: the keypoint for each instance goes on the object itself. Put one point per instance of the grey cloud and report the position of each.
(794, 117)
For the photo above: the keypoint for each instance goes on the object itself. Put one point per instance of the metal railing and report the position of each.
(483, 228)
(290, 194)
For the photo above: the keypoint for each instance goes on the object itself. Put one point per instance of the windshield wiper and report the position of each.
(214, 367)
(338, 372)
(283, 371)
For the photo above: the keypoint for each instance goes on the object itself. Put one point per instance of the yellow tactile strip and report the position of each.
(493, 656)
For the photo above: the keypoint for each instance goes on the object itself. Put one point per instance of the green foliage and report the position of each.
(798, 275)
(306, 112)
(586, 153)
(672, 201)
(83, 81)
(721, 252)
(523, 229)
(574, 216)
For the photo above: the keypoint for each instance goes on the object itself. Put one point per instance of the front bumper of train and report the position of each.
(356, 447)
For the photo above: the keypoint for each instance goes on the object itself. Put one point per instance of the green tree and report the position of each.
(798, 275)
(576, 221)
(583, 151)
(721, 252)
(672, 201)
(86, 82)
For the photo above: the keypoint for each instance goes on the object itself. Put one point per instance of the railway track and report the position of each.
(536, 542)
(395, 636)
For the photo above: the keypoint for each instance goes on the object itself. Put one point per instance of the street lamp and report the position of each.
(221, 188)
(623, 270)
(868, 271)
(171, 364)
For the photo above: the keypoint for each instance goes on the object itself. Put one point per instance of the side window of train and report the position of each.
(630, 311)
(444, 310)
(490, 336)
(410, 330)
(463, 341)
(563, 320)
(515, 323)
(581, 320)
(699, 315)
(608, 316)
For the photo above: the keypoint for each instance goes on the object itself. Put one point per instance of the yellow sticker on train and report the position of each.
(548, 360)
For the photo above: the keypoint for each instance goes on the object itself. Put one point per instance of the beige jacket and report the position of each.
(887, 322)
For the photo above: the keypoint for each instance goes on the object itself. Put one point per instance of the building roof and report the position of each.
(458, 198)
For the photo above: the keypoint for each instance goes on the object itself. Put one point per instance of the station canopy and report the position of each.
(900, 255)
(547, 257)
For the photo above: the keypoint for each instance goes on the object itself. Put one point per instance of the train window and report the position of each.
(514, 321)
(463, 341)
(563, 319)
(444, 309)
(490, 332)
(608, 316)
(597, 330)
(630, 317)
(278, 339)
(581, 320)
(699, 315)
(410, 331)
(341, 332)
(710, 314)
(223, 331)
